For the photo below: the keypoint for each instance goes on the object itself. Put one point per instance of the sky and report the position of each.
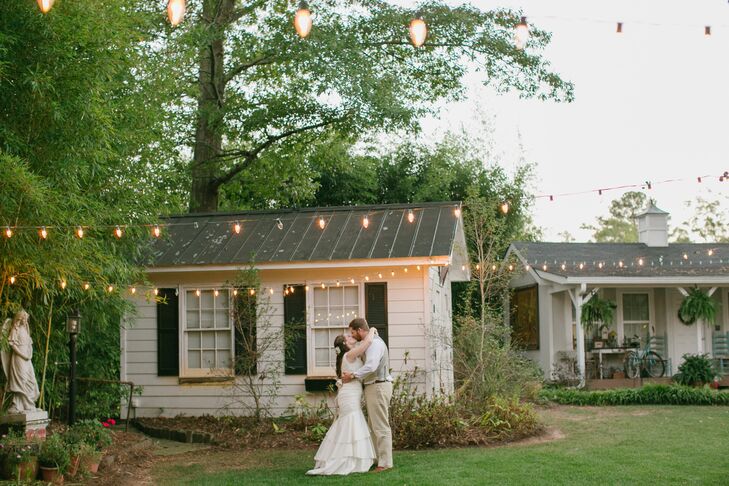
(651, 104)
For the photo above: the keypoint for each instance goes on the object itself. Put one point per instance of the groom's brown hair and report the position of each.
(359, 323)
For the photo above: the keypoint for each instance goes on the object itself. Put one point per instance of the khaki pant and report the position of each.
(377, 400)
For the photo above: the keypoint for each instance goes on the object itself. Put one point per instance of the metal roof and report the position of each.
(652, 209)
(295, 235)
(603, 259)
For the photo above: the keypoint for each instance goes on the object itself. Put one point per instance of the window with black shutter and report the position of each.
(376, 308)
(295, 329)
(168, 336)
(246, 355)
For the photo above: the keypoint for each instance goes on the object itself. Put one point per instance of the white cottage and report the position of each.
(647, 282)
(393, 264)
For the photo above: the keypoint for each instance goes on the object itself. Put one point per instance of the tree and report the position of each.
(707, 222)
(259, 88)
(621, 225)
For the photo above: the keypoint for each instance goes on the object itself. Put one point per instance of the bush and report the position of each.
(696, 370)
(509, 419)
(89, 432)
(53, 453)
(647, 395)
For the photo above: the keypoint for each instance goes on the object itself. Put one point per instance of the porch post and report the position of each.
(580, 335)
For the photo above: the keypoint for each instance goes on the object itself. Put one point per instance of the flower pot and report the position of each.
(51, 474)
(23, 471)
(618, 375)
(91, 465)
(73, 465)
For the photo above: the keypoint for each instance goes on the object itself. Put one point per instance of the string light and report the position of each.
(457, 212)
(392, 273)
(366, 222)
(417, 267)
(504, 207)
(563, 266)
(63, 285)
(640, 262)
(291, 290)
(235, 292)
(322, 223)
(237, 228)
(620, 264)
(279, 223)
(619, 29)
(521, 34)
(197, 293)
(12, 279)
(215, 292)
(379, 275)
(43, 233)
(302, 20)
(156, 291)
(118, 232)
(582, 265)
(418, 31)
(306, 288)
(511, 267)
(252, 291)
(110, 288)
(270, 291)
(133, 290)
(367, 278)
(527, 267)
(8, 232)
(411, 216)
(323, 286)
(352, 280)
(45, 5)
(493, 267)
(710, 252)
(87, 286)
(156, 232)
(599, 265)
(544, 267)
(176, 11)
(685, 256)
(405, 269)
(80, 232)
(337, 283)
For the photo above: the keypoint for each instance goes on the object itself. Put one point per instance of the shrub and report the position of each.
(695, 370)
(647, 395)
(507, 418)
(53, 453)
(89, 432)
(17, 449)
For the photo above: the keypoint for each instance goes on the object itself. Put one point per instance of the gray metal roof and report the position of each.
(653, 209)
(295, 235)
(679, 259)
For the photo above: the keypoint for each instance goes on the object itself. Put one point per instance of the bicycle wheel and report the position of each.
(654, 364)
(631, 365)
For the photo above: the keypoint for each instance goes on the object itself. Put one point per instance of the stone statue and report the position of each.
(17, 364)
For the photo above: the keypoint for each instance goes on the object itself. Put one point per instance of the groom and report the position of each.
(377, 391)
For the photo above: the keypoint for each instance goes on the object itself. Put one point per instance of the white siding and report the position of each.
(165, 396)
(439, 363)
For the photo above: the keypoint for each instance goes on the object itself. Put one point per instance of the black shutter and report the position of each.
(246, 356)
(168, 336)
(295, 330)
(376, 307)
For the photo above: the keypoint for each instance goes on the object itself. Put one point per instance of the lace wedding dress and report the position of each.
(347, 447)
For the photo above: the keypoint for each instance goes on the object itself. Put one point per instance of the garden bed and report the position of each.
(647, 395)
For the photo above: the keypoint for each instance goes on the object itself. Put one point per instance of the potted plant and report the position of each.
(597, 310)
(92, 437)
(697, 305)
(89, 458)
(20, 458)
(54, 459)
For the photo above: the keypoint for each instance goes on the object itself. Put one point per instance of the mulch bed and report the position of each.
(127, 461)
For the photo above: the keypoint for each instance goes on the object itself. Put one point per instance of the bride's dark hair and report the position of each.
(341, 344)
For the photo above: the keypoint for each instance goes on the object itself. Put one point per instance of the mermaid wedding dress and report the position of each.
(347, 447)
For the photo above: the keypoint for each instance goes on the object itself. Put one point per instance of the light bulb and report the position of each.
(197, 293)
(457, 212)
(118, 232)
(323, 286)
(392, 274)
(270, 291)
(156, 232)
(417, 267)
(8, 232)
(411, 216)
(544, 267)
(43, 233)
(80, 232)
(291, 290)
(176, 11)
(110, 288)
(711, 252)
(253, 292)
(302, 20)
(279, 223)
(379, 275)
(237, 228)
(337, 283)
(599, 265)
(504, 207)
(367, 278)
(405, 269)
(352, 280)
(235, 292)
(87, 286)
(418, 31)
(511, 267)
(366, 222)
(620, 264)
(216, 293)
(582, 265)
(563, 266)
(322, 223)
(493, 267)
(685, 256)
(640, 261)
(45, 5)
(133, 290)
(306, 288)
(12, 280)
(521, 34)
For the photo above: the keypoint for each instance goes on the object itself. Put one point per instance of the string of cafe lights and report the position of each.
(418, 28)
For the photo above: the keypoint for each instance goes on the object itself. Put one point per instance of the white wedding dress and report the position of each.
(347, 447)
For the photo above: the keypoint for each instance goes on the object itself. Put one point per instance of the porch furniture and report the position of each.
(720, 348)
(659, 345)
(601, 352)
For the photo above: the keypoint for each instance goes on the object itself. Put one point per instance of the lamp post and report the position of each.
(73, 326)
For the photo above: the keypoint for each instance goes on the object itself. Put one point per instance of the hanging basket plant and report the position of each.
(697, 305)
(597, 310)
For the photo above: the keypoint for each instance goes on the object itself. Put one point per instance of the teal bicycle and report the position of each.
(638, 360)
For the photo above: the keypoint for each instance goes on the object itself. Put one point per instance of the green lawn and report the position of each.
(616, 445)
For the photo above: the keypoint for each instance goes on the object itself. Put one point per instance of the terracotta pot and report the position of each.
(51, 474)
(619, 375)
(25, 471)
(92, 466)
(73, 465)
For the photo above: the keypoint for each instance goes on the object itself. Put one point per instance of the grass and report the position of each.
(631, 444)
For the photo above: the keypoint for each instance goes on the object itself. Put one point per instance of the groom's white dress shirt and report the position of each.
(373, 356)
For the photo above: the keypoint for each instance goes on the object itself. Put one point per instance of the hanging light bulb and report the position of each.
(8, 232)
(80, 232)
(118, 232)
(582, 265)
(306, 288)
(707, 31)
(685, 256)
(12, 279)
(417, 267)
(337, 283)
(176, 11)
(599, 265)
(379, 275)
(367, 278)
(87, 286)
(511, 267)
(235, 292)
(504, 207)
(45, 5)
(640, 262)
(322, 223)
(619, 29)
(270, 291)
(418, 31)
(216, 293)
(133, 290)
(405, 269)
(43, 233)
(521, 34)
(366, 222)
(563, 266)
(457, 212)
(392, 273)
(156, 231)
(544, 267)
(493, 267)
(110, 288)
(411, 216)
(279, 223)
(351, 280)
(620, 264)
(237, 228)
(302, 20)
(710, 252)
(156, 291)
(291, 290)
(252, 291)
(63, 285)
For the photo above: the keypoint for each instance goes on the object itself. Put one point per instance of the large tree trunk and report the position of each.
(208, 132)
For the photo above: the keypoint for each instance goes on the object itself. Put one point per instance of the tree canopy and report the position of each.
(620, 226)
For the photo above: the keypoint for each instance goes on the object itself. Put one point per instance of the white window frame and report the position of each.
(311, 368)
(185, 371)
(651, 312)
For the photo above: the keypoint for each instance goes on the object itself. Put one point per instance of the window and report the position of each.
(636, 315)
(208, 332)
(331, 310)
(525, 318)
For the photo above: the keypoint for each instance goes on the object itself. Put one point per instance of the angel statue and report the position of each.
(17, 364)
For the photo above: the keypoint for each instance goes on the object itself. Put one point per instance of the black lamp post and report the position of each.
(73, 326)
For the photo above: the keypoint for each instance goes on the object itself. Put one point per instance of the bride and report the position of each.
(347, 447)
